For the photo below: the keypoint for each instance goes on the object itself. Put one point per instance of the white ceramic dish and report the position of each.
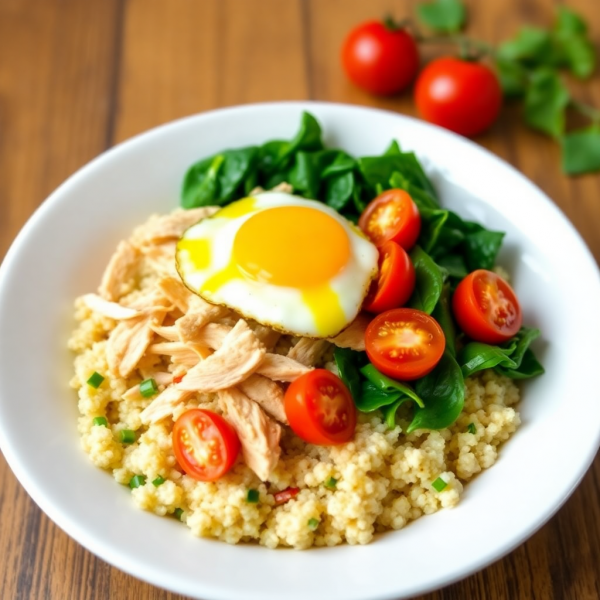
(62, 250)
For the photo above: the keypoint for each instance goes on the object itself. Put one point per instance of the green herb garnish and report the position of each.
(127, 436)
(471, 428)
(177, 513)
(137, 481)
(148, 388)
(313, 524)
(95, 380)
(100, 421)
(439, 485)
(158, 481)
(331, 483)
(252, 496)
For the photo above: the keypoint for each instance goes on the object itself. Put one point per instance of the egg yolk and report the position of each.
(293, 246)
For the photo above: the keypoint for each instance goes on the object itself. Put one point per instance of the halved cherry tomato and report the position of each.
(320, 409)
(396, 280)
(285, 495)
(486, 307)
(205, 444)
(392, 216)
(404, 343)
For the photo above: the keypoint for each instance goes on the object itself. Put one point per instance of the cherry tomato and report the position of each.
(392, 216)
(396, 280)
(462, 96)
(486, 308)
(320, 408)
(380, 59)
(404, 343)
(205, 444)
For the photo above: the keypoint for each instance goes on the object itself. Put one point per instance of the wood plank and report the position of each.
(183, 57)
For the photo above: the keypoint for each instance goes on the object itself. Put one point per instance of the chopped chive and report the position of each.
(100, 421)
(313, 524)
(439, 484)
(137, 481)
(331, 483)
(127, 436)
(95, 380)
(148, 388)
(252, 496)
(158, 481)
(177, 513)
(471, 428)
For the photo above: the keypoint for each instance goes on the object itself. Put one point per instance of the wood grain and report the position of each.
(77, 76)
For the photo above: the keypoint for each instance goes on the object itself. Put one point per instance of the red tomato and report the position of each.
(392, 216)
(285, 495)
(396, 280)
(404, 343)
(320, 409)
(486, 307)
(205, 444)
(462, 96)
(379, 58)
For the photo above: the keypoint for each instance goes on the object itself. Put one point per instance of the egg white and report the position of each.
(280, 307)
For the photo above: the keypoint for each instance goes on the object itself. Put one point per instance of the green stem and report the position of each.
(587, 111)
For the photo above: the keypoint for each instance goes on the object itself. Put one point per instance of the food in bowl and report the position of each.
(261, 383)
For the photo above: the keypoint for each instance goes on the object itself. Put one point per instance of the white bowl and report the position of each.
(61, 253)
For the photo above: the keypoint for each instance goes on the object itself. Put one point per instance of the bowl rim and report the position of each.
(121, 558)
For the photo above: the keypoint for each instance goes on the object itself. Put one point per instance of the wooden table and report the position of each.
(77, 76)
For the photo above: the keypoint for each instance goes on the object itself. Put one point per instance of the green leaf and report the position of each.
(513, 77)
(529, 367)
(348, 363)
(371, 397)
(531, 46)
(454, 264)
(423, 199)
(545, 102)
(476, 356)
(200, 184)
(386, 384)
(581, 151)
(338, 190)
(568, 21)
(389, 412)
(429, 281)
(520, 342)
(446, 16)
(443, 392)
(580, 55)
(481, 249)
(393, 149)
(443, 315)
(432, 224)
(342, 163)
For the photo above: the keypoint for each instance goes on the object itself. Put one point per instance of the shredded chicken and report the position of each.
(169, 333)
(109, 309)
(119, 271)
(172, 226)
(267, 393)
(238, 357)
(191, 324)
(309, 352)
(258, 434)
(269, 337)
(187, 355)
(164, 404)
(161, 379)
(281, 368)
(353, 336)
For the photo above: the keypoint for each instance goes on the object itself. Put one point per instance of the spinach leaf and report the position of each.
(393, 149)
(200, 184)
(339, 189)
(529, 367)
(386, 384)
(429, 281)
(305, 175)
(371, 397)
(481, 249)
(236, 167)
(476, 356)
(520, 342)
(342, 163)
(443, 392)
(389, 412)
(443, 315)
(348, 364)
(432, 225)
(454, 264)
(422, 198)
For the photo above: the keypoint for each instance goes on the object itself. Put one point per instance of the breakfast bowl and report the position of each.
(62, 250)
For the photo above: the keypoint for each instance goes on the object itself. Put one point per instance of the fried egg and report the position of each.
(293, 264)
